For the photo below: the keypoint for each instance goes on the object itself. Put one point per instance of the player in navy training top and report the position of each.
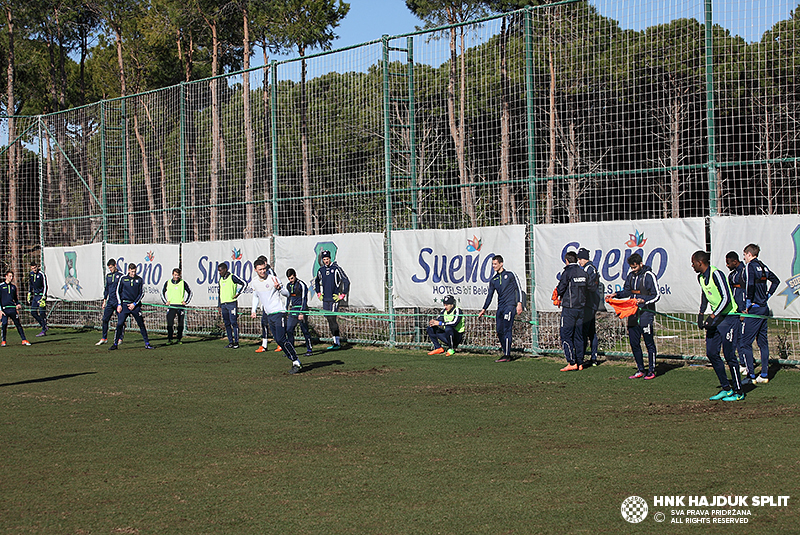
(756, 295)
(509, 303)
(130, 292)
(331, 287)
(37, 296)
(297, 306)
(110, 300)
(9, 307)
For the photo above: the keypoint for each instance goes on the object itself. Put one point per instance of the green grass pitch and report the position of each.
(198, 439)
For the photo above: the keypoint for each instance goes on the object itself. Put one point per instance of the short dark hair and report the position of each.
(732, 255)
(702, 256)
(260, 261)
(111, 262)
(635, 258)
(571, 257)
(177, 270)
(7, 272)
(498, 258)
(753, 249)
(132, 265)
(33, 263)
(222, 265)
(291, 272)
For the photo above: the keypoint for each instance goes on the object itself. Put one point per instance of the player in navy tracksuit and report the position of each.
(110, 300)
(756, 295)
(9, 307)
(594, 303)
(331, 287)
(641, 283)
(736, 282)
(130, 292)
(297, 307)
(37, 296)
(571, 290)
(509, 303)
(719, 325)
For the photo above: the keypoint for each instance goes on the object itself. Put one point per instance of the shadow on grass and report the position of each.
(46, 379)
(321, 364)
(665, 367)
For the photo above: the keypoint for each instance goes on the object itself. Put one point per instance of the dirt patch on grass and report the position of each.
(485, 389)
(383, 370)
(741, 410)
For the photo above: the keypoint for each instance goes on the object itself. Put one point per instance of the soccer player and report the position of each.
(756, 295)
(268, 290)
(571, 290)
(509, 303)
(594, 303)
(130, 292)
(446, 329)
(176, 294)
(331, 287)
(641, 284)
(9, 305)
(719, 325)
(37, 296)
(736, 282)
(230, 288)
(110, 300)
(297, 304)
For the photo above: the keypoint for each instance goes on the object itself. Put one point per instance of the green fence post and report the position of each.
(387, 165)
(531, 157)
(273, 122)
(710, 126)
(103, 176)
(182, 151)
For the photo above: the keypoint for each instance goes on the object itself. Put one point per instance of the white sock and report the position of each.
(264, 343)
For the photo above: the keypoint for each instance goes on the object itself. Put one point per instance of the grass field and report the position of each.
(197, 439)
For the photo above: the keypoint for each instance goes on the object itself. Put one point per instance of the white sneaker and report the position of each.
(102, 341)
(743, 370)
(761, 379)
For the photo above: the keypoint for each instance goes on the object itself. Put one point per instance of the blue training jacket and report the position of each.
(508, 288)
(130, 290)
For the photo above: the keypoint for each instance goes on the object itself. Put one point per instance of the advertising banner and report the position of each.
(201, 259)
(779, 240)
(361, 257)
(154, 264)
(430, 264)
(666, 245)
(73, 273)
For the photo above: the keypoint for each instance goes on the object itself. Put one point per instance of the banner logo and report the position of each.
(71, 272)
(634, 509)
(236, 254)
(792, 290)
(474, 245)
(149, 256)
(318, 248)
(637, 240)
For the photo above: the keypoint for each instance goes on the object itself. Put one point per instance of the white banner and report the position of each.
(429, 264)
(666, 245)
(359, 255)
(779, 240)
(73, 273)
(154, 264)
(201, 259)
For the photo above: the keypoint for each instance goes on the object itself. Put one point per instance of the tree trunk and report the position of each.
(674, 158)
(267, 127)
(249, 171)
(551, 162)
(307, 205)
(128, 178)
(507, 215)
(572, 169)
(13, 231)
(148, 181)
(215, 136)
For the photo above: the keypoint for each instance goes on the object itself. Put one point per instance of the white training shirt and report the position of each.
(272, 300)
